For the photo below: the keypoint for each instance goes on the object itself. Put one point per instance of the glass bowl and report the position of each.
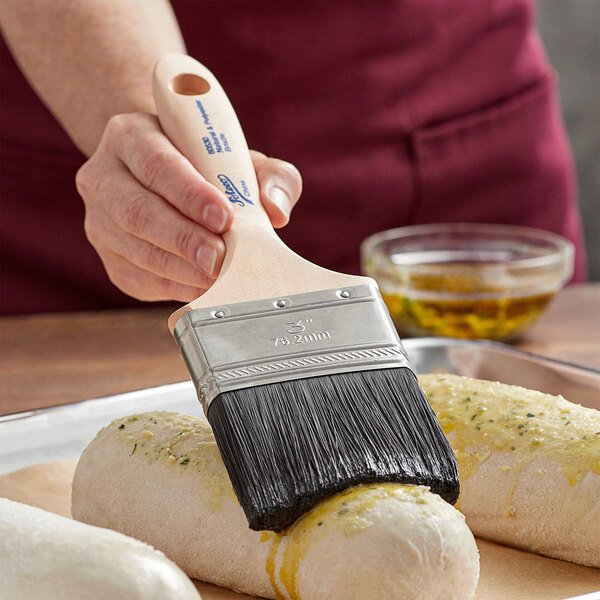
(467, 280)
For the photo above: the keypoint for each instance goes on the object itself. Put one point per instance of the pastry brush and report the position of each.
(299, 369)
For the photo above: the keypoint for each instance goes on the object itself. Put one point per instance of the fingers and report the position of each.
(110, 240)
(144, 285)
(154, 220)
(141, 145)
(159, 166)
(280, 187)
(155, 245)
(149, 217)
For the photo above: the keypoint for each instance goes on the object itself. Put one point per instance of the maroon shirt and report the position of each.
(396, 112)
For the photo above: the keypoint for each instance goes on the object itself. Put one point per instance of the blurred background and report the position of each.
(571, 31)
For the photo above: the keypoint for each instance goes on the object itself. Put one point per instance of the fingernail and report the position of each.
(279, 197)
(207, 259)
(214, 217)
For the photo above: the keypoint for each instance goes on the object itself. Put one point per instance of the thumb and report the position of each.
(280, 186)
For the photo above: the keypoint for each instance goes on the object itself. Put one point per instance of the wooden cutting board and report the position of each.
(506, 573)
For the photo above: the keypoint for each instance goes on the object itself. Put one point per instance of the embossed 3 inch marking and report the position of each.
(298, 334)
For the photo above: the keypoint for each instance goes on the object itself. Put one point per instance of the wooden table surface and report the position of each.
(53, 359)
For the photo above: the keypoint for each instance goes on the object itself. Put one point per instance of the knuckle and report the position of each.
(94, 231)
(134, 213)
(84, 180)
(168, 287)
(125, 130)
(90, 229)
(189, 199)
(183, 240)
(156, 166)
(156, 259)
(119, 124)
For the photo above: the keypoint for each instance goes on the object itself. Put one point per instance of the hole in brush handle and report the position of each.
(188, 84)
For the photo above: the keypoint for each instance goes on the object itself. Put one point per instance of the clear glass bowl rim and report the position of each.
(562, 250)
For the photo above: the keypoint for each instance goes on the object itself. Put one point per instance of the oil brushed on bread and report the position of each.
(529, 465)
(46, 556)
(159, 477)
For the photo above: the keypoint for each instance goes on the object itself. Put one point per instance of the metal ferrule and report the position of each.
(279, 339)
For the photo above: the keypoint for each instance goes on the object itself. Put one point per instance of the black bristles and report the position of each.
(287, 445)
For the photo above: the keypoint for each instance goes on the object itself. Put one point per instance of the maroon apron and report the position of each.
(396, 112)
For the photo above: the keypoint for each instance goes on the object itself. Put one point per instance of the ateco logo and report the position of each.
(231, 191)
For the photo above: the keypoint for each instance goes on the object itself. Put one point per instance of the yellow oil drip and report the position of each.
(265, 536)
(345, 513)
(481, 417)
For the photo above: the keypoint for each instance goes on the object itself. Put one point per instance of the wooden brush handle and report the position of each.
(198, 118)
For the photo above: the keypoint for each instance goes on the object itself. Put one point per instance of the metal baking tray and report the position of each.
(61, 432)
(499, 362)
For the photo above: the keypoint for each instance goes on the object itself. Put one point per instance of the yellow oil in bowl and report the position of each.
(467, 280)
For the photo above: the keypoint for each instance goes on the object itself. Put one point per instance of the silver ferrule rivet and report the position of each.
(281, 303)
(219, 314)
(344, 294)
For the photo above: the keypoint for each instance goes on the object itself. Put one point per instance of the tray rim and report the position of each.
(423, 342)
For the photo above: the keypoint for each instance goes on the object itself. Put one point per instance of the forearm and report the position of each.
(90, 59)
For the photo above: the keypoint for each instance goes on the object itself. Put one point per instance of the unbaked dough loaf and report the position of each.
(46, 556)
(159, 477)
(529, 465)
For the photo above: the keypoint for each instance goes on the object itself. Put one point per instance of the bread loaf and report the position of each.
(529, 465)
(43, 555)
(159, 477)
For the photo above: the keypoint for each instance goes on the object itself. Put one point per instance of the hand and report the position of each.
(154, 220)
